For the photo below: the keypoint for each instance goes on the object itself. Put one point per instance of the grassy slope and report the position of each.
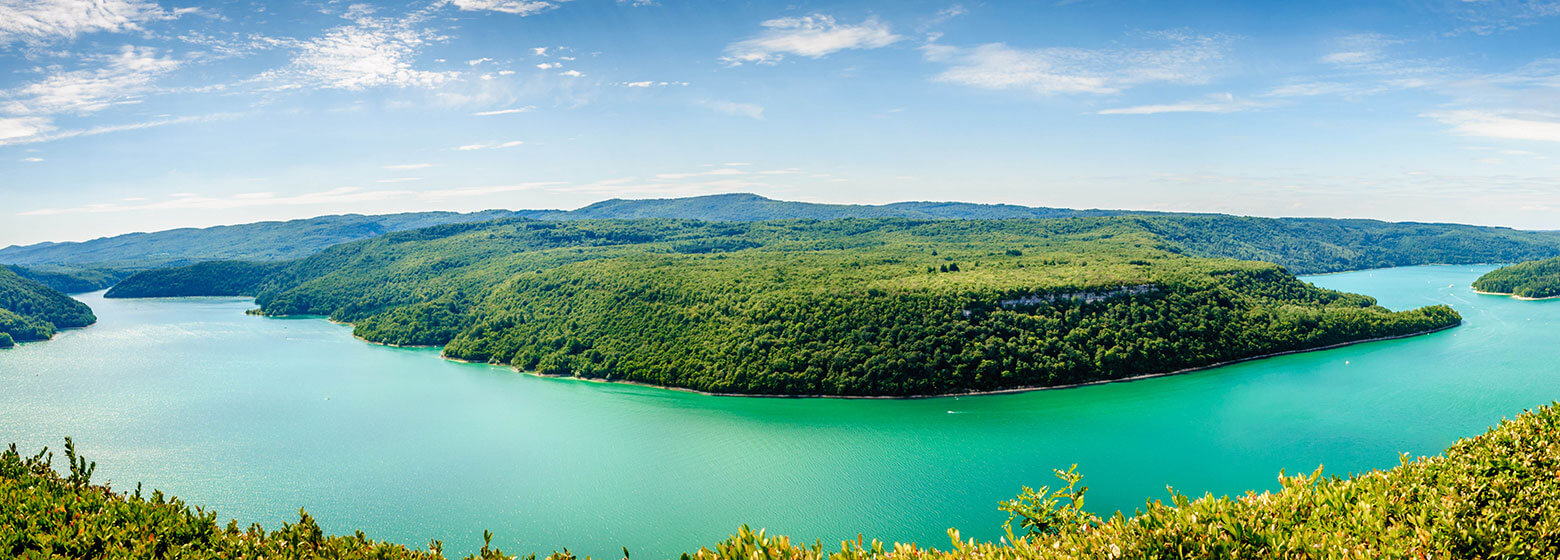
(845, 307)
(1493, 496)
(32, 311)
(1534, 279)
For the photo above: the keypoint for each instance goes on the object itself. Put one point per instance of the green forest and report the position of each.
(1491, 496)
(852, 307)
(1533, 280)
(1303, 245)
(32, 311)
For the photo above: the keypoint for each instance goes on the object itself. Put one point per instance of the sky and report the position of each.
(142, 115)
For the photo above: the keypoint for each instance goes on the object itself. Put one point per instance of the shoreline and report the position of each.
(1013, 390)
(1513, 296)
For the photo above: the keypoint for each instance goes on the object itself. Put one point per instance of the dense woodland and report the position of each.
(1534, 279)
(1303, 245)
(70, 280)
(1492, 496)
(841, 307)
(32, 311)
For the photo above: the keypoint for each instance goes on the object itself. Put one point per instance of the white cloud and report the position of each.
(399, 180)
(23, 127)
(649, 83)
(1544, 127)
(712, 172)
(476, 61)
(548, 65)
(1187, 59)
(339, 196)
(372, 52)
(121, 79)
(813, 36)
(406, 166)
(525, 109)
(571, 73)
(540, 51)
(33, 159)
(1222, 103)
(750, 110)
(516, 7)
(43, 20)
(471, 147)
(48, 134)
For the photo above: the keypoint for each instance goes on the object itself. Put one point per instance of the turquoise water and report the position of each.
(257, 417)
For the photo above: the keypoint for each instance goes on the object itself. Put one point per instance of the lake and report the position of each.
(256, 417)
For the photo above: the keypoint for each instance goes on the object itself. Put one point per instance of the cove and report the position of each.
(256, 417)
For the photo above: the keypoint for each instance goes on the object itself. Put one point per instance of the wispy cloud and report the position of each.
(46, 20)
(712, 172)
(812, 36)
(370, 52)
(117, 79)
(525, 109)
(1185, 59)
(336, 196)
(749, 110)
(406, 166)
(1221, 103)
(1543, 127)
(50, 134)
(516, 7)
(473, 147)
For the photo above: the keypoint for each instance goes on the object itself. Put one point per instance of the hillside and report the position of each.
(744, 207)
(70, 280)
(1491, 496)
(844, 307)
(32, 311)
(1303, 245)
(260, 241)
(1529, 280)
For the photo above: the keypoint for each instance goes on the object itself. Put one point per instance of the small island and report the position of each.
(1532, 280)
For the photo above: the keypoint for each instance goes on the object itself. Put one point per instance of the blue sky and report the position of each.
(138, 115)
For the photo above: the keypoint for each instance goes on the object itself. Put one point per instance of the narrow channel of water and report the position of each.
(256, 417)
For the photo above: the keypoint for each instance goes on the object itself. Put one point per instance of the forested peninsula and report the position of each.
(1491, 496)
(32, 311)
(1529, 280)
(854, 307)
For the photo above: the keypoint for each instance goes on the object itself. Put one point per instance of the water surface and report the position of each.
(256, 417)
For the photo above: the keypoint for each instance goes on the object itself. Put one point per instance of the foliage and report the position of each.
(1317, 245)
(1304, 245)
(70, 280)
(1535, 279)
(840, 307)
(1491, 496)
(260, 241)
(213, 278)
(44, 514)
(32, 311)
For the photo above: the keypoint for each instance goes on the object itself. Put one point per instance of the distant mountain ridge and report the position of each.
(1304, 245)
(747, 207)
